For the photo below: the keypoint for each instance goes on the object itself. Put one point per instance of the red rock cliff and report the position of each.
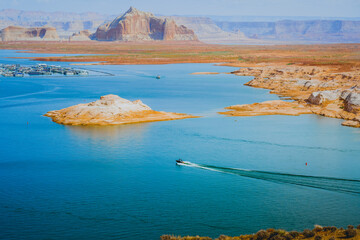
(136, 25)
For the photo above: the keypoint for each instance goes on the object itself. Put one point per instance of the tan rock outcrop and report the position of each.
(14, 33)
(81, 36)
(318, 89)
(136, 25)
(276, 107)
(322, 97)
(111, 110)
(352, 102)
(351, 123)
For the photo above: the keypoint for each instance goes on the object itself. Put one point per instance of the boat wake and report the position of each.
(351, 186)
(247, 141)
(30, 94)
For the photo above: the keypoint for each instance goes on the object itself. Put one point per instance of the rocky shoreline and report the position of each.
(277, 107)
(111, 110)
(317, 90)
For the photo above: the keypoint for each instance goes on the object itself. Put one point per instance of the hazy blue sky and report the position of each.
(323, 8)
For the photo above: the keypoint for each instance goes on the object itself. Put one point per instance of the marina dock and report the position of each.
(16, 70)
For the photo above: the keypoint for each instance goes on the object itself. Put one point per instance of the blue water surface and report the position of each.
(121, 182)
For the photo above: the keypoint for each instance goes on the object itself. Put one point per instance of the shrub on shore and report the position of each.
(308, 233)
(262, 235)
(331, 229)
(349, 233)
(318, 228)
(294, 234)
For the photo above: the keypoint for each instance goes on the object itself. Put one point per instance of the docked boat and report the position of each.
(36, 73)
(82, 72)
(69, 73)
(7, 74)
(18, 74)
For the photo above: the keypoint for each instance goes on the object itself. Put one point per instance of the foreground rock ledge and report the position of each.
(111, 110)
(318, 233)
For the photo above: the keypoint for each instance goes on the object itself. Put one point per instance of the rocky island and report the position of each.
(111, 110)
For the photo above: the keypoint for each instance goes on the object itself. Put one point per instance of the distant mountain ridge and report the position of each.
(289, 30)
(207, 31)
(212, 29)
(66, 23)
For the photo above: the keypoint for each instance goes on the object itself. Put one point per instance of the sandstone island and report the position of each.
(111, 110)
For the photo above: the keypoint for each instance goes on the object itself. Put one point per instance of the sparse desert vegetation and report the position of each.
(318, 233)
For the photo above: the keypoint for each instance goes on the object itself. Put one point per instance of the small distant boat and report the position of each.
(158, 77)
(179, 161)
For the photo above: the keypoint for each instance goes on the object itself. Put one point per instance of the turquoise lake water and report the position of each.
(121, 182)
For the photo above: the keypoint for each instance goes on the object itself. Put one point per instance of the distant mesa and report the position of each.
(322, 31)
(15, 33)
(136, 25)
(111, 110)
(81, 36)
(207, 31)
(223, 30)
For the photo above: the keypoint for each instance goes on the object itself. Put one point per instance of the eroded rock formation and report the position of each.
(111, 110)
(14, 33)
(322, 97)
(136, 25)
(81, 36)
(318, 90)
